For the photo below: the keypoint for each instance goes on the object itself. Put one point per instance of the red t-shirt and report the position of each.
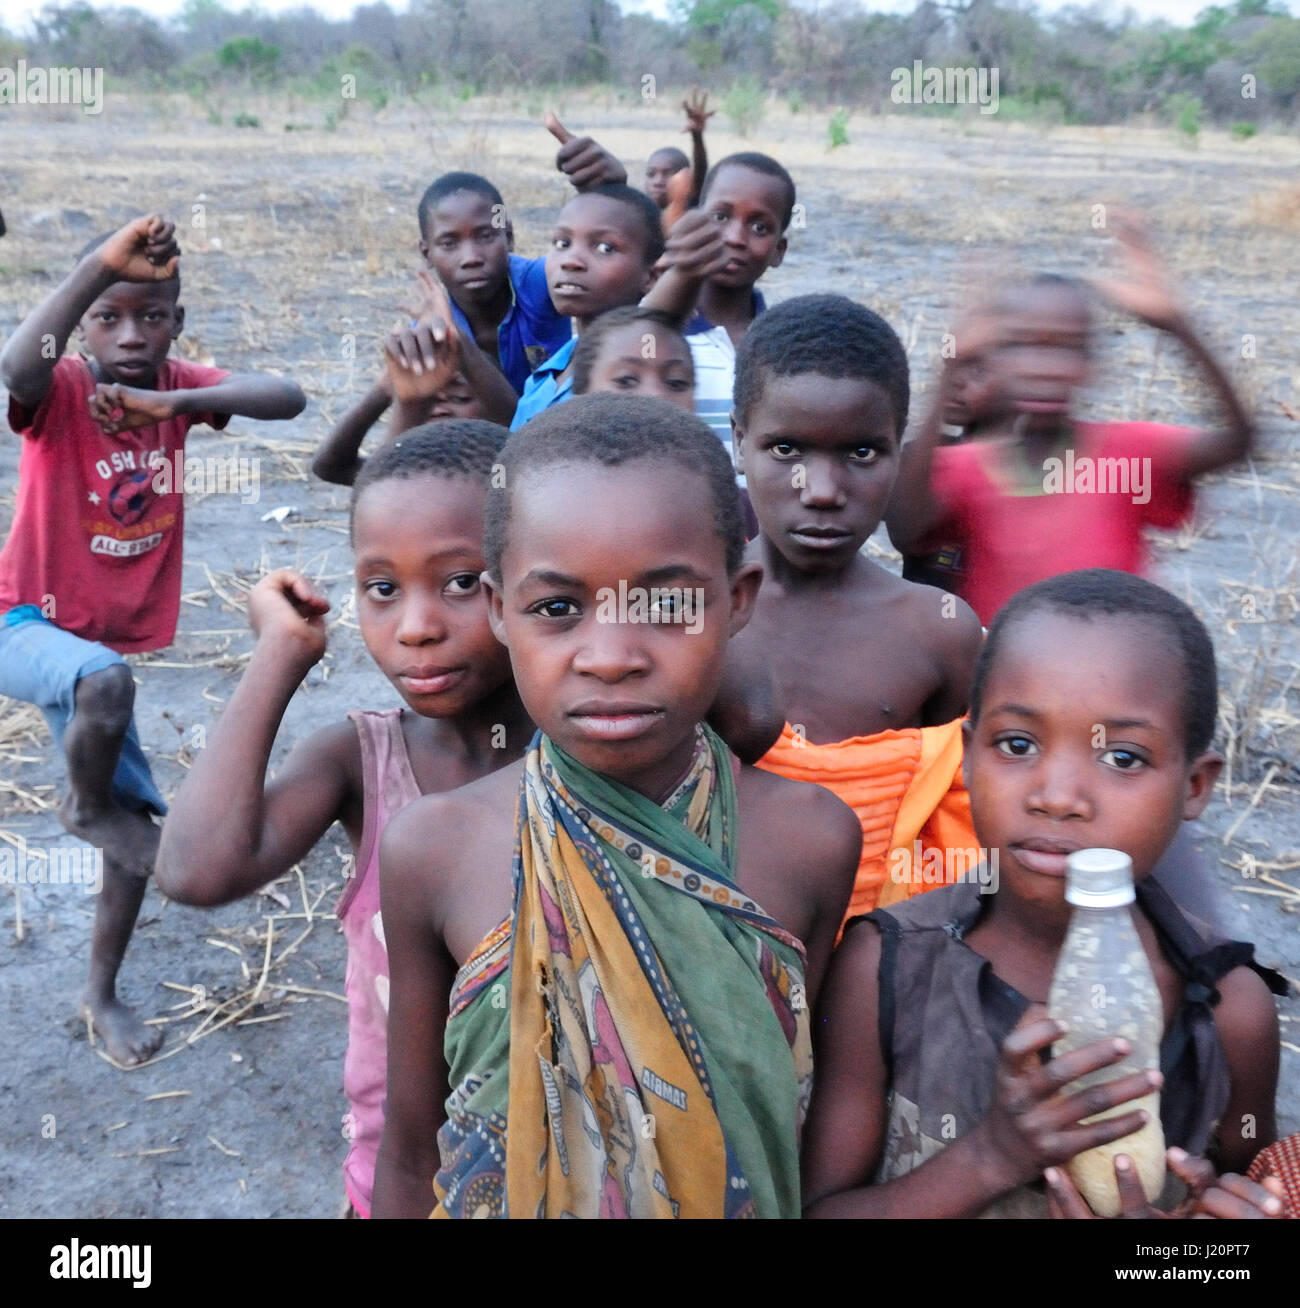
(1082, 513)
(93, 543)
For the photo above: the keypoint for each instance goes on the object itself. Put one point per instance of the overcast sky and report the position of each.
(15, 14)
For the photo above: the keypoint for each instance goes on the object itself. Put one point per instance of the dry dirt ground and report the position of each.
(298, 246)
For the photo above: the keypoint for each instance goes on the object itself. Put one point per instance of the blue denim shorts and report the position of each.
(41, 664)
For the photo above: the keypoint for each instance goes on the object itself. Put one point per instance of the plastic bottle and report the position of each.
(1103, 988)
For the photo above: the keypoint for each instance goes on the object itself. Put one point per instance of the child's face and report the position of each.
(659, 168)
(643, 359)
(456, 400)
(750, 207)
(1080, 744)
(422, 610)
(130, 328)
(819, 455)
(597, 259)
(976, 393)
(468, 246)
(620, 687)
(1043, 357)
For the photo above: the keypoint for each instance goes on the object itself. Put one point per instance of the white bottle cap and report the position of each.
(1099, 878)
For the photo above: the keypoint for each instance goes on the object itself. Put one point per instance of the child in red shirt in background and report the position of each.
(92, 566)
(1044, 493)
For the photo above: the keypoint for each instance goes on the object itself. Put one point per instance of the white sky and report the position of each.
(15, 14)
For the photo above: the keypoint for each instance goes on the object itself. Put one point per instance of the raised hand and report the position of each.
(694, 246)
(1032, 1124)
(697, 111)
(420, 360)
(117, 408)
(1144, 289)
(582, 160)
(145, 250)
(285, 609)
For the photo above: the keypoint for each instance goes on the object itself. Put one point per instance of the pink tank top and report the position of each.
(389, 786)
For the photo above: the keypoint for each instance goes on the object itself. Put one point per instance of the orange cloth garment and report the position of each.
(906, 787)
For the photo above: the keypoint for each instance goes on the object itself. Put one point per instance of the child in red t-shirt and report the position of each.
(92, 565)
(1043, 493)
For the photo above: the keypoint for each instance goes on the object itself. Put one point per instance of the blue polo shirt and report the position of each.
(543, 388)
(531, 331)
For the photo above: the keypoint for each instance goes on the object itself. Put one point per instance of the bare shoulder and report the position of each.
(946, 619)
(1245, 1015)
(454, 819)
(801, 818)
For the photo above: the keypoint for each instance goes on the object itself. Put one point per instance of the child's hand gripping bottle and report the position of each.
(1102, 989)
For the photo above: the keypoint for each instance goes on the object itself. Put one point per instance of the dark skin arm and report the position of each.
(745, 712)
(145, 250)
(1029, 1127)
(957, 639)
(1246, 1020)
(421, 972)
(913, 511)
(338, 460)
(229, 831)
(421, 360)
(585, 162)
(120, 408)
(697, 116)
(1146, 293)
(694, 252)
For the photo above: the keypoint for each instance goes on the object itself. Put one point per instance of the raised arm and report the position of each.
(584, 161)
(247, 395)
(339, 460)
(1145, 291)
(421, 360)
(914, 510)
(697, 116)
(228, 832)
(145, 250)
(693, 253)
(420, 979)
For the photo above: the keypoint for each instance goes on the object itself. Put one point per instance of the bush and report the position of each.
(744, 104)
(1244, 131)
(837, 130)
(1185, 111)
(250, 56)
(242, 119)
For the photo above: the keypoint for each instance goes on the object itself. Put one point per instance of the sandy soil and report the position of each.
(299, 244)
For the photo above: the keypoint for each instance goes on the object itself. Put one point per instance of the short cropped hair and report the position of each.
(646, 214)
(612, 431)
(455, 447)
(758, 163)
(591, 341)
(671, 154)
(829, 335)
(449, 184)
(1093, 591)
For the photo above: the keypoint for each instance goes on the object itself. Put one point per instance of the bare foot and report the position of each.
(128, 839)
(126, 1038)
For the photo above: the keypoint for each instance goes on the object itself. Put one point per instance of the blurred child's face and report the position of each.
(456, 400)
(976, 395)
(621, 695)
(1080, 744)
(819, 455)
(1044, 356)
(468, 246)
(130, 328)
(597, 259)
(659, 168)
(421, 607)
(643, 359)
(750, 206)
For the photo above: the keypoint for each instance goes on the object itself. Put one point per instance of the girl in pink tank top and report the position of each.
(417, 530)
